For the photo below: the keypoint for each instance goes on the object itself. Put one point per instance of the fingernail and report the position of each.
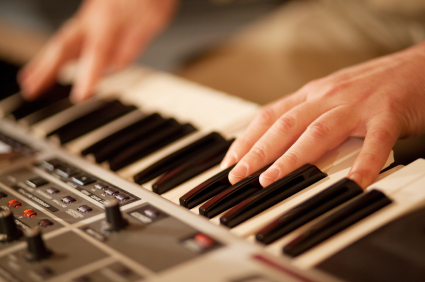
(75, 97)
(272, 173)
(356, 177)
(229, 160)
(240, 171)
(76, 94)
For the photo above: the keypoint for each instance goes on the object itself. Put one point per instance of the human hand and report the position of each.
(381, 100)
(105, 34)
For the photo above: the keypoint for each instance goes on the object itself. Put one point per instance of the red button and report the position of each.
(29, 213)
(14, 204)
(204, 241)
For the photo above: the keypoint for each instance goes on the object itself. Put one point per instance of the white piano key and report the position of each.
(188, 102)
(10, 104)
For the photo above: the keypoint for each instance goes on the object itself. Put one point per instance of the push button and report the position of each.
(111, 191)
(51, 164)
(29, 213)
(122, 197)
(204, 241)
(52, 190)
(66, 171)
(14, 204)
(83, 179)
(45, 223)
(36, 182)
(68, 199)
(151, 213)
(84, 209)
(101, 186)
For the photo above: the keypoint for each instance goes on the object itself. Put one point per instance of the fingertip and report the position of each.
(78, 94)
(239, 172)
(358, 178)
(229, 160)
(269, 176)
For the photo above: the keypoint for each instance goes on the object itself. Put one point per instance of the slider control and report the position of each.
(36, 250)
(8, 229)
(114, 220)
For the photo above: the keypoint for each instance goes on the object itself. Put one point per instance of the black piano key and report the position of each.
(54, 94)
(178, 158)
(141, 126)
(272, 194)
(148, 145)
(207, 189)
(8, 82)
(353, 212)
(232, 196)
(107, 113)
(203, 161)
(47, 112)
(331, 197)
(134, 137)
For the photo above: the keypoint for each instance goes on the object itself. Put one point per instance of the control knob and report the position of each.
(36, 249)
(113, 217)
(8, 229)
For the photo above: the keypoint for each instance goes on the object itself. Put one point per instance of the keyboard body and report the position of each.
(49, 184)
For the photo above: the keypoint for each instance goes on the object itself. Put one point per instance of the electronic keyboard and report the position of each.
(126, 186)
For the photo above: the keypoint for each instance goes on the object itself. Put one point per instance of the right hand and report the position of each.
(104, 34)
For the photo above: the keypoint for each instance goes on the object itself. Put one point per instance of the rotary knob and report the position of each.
(113, 217)
(36, 249)
(8, 229)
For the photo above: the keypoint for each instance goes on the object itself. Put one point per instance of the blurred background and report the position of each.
(250, 67)
(198, 24)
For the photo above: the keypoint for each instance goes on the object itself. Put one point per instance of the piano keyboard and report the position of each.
(147, 132)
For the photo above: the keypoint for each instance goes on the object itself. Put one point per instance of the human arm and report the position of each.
(104, 34)
(381, 100)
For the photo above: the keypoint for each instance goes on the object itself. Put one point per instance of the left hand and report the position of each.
(381, 100)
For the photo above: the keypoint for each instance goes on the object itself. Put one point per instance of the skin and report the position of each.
(381, 100)
(104, 35)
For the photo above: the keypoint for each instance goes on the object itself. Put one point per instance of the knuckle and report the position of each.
(369, 158)
(310, 86)
(319, 130)
(258, 153)
(267, 116)
(380, 136)
(242, 142)
(291, 158)
(285, 124)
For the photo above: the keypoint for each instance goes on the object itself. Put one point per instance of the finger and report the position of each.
(94, 58)
(42, 71)
(324, 134)
(281, 135)
(133, 41)
(381, 136)
(262, 122)
(138, 34)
